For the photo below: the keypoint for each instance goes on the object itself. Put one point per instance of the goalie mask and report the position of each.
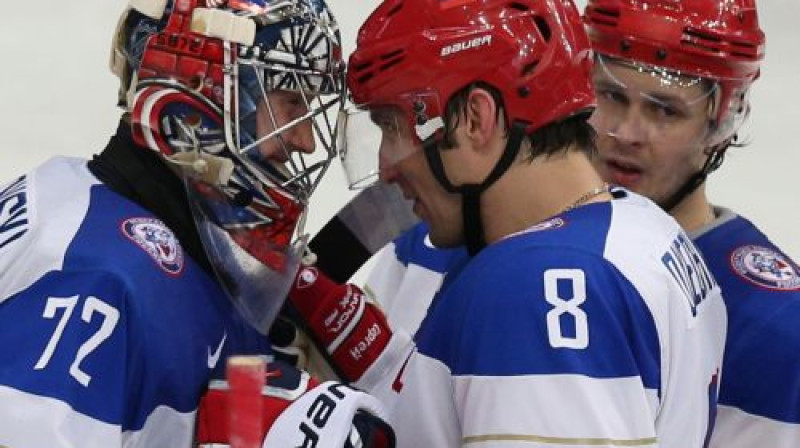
(238, 96)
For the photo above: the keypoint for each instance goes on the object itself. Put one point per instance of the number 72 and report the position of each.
(90, 306)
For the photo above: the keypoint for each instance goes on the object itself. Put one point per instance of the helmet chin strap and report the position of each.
(474, 237)
(713, 162)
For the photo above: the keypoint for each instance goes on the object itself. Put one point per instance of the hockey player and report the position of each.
(654, 141)
(672, 81)
(584, 316)
(127, 280)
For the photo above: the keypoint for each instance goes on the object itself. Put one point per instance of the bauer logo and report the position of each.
(152, 236)
(765, 267)
(466, 45)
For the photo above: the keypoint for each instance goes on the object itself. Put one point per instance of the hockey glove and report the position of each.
(291, 410)
(348, 328)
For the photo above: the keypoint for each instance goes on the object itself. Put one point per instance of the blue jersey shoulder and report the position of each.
(761, 288)
(544, 302)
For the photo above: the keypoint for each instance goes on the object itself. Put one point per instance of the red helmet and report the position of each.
(416, 53)
(715, 39)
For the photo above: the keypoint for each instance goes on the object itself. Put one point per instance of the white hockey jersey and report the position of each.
(110, 333)
(599, 327)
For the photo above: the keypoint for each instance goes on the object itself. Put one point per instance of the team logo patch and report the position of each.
(306, 277)
(765, 267)
(157, 240)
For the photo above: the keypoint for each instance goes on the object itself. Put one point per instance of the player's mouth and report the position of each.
(623, 173)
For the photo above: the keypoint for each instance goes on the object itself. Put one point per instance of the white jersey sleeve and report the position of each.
(407, 274)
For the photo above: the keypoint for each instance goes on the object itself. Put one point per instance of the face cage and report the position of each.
(257, 273)
(301, 173)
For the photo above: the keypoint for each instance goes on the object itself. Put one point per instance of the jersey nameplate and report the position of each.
(688, 268)
(13, 211)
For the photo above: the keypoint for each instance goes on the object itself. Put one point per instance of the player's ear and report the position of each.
(480, 117)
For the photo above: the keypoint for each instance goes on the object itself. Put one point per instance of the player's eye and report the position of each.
(666, 111)
(614, 96)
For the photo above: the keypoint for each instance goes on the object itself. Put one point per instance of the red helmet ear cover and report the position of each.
(715, 39)
(535, 53)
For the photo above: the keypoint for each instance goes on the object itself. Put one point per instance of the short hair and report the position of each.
(548, 140)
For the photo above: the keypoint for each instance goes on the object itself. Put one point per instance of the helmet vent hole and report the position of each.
(603, 16)
(391, 58)
(544, 28)
(391, 64)
(518, 6)
(703, 41)
(394, 10)
(363, 79)
(744, 50)
(392, 54)
(529, 68)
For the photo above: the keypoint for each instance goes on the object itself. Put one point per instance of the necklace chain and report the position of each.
(596, 191)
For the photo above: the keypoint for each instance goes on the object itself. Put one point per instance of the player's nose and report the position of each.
(629, 129)
(302, 138)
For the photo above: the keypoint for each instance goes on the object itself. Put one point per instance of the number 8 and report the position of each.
(566, 305)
